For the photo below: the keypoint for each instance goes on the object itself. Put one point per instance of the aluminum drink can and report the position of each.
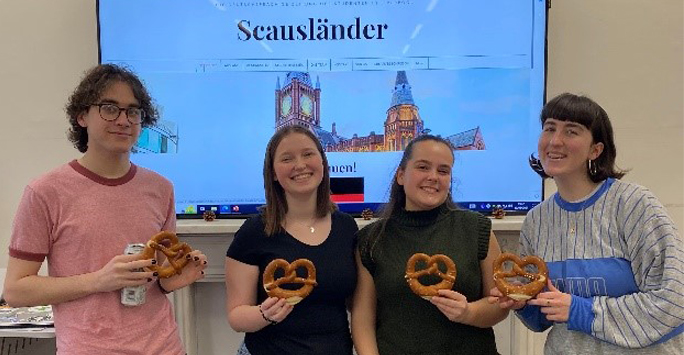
(133, 295)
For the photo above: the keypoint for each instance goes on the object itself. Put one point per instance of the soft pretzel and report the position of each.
(176, 253)
(432, 268)
(520, 292)
(272, 286)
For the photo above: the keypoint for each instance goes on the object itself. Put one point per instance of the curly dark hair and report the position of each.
(585, 111)
(89, 91)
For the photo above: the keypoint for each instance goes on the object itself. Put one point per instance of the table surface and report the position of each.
(32, 332)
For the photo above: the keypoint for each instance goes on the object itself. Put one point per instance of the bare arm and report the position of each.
(241, 296)
(363, 312)
(480, 313)
(486, 314)
(24, 288)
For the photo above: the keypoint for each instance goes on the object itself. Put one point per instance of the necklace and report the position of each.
(311, 225)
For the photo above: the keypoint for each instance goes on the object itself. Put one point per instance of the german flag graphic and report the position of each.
(346, 189)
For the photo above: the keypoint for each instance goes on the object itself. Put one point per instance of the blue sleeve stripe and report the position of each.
(634, 189)
(636, 252)
(663, 260)
(678, 295)
(610, 243)
(608, 311)
(524, 236)
(664, 312)
(670, 302)
(624, 316)
(632, 228)
(591, 228)
(548, 234)
(658, 319)
(667, 279)
(641, 324)
(659, 266)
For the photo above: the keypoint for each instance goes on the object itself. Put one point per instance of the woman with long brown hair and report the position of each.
(299, 221)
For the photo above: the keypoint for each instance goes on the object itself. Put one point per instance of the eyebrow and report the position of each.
(567, 124)
(431, 163)
(112, 101)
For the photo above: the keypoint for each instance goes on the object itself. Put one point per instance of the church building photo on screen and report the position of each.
(298, 102)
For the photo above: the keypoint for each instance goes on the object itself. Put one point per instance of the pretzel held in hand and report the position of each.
(176, 253)
(520, 292)
(432, 262)
(272, 286)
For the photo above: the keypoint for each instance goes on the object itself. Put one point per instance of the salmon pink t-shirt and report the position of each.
(79, 221)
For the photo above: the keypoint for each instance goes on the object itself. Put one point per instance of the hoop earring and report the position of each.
(593, 169)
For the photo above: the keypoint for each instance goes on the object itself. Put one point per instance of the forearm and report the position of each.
(363, 335)
(482, 314)
(34, 290)
(247, 319)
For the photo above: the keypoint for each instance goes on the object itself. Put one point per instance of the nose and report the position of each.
(299, 164)
(122, 119)
(432, 175)
(556, 138)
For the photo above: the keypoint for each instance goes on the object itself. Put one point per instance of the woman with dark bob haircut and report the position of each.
(299, 221)
(615, 258)
(95, 82)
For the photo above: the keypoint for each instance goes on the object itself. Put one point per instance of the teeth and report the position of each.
(301, 177)
(429, 189)
(555, 156)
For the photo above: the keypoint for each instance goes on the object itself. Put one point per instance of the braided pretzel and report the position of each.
(292, 297)
(432, 262)
(520, 292)
(176, 253)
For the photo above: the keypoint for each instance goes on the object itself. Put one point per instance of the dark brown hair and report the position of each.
(397, 194)
(89, 91)
(585, 111)
(275, 209)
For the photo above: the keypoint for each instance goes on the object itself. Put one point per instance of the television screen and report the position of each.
(365, 76)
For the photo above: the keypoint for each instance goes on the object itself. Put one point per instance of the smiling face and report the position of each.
(115, 137)
(298, 165)
(427, 176)
(565, 147)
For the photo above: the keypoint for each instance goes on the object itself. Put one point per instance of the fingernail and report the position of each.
(155, 274)
(204, 262)
(196, 258)
(154, 261)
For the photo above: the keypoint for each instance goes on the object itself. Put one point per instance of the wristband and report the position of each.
(269, 320)
(161, 288)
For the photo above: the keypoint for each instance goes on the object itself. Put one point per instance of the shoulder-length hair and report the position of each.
(275, 209)
(585, 111)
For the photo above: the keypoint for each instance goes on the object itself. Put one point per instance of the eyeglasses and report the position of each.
(110, 112)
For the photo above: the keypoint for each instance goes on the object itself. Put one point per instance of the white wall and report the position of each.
(626, 54)
(44, 48)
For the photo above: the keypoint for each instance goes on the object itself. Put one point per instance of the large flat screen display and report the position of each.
(365, 76)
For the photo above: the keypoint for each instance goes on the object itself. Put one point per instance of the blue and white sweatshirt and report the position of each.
(621, 258)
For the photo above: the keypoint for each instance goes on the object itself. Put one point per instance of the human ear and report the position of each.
(596, 150)
(81, 120)
(400, 177)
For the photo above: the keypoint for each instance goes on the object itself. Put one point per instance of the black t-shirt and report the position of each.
(319, 323)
